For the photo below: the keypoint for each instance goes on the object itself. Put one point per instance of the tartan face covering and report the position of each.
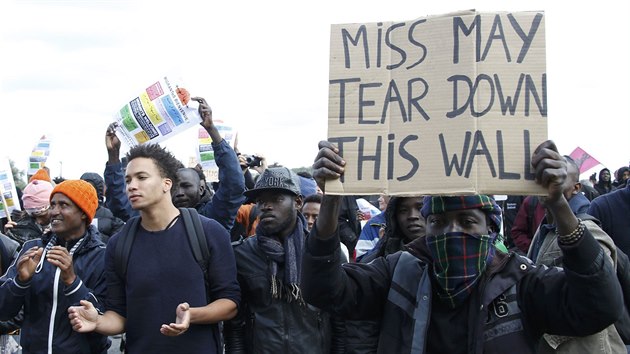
(459, 259)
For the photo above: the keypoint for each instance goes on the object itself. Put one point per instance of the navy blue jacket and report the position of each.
(613, 211)
(44, 298)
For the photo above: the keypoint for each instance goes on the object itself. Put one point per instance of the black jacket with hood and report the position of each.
(601, 186)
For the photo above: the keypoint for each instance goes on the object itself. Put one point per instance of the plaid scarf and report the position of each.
(459, 260)
(288, 253)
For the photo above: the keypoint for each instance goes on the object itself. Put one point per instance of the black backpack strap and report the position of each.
(198, 242)
(123, 247)
(196, 235)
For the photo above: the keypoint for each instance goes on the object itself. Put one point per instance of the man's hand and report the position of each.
(9, 225)
(27, 263)
(182, 321)
(61, 258)
(83, 318)
(206, 120)
(550, 171)
(242, 160)
(328, 164)
(112, 143)
(205, 112)
(263, 164)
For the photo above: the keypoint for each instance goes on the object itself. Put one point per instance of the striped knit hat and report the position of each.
(440, 204)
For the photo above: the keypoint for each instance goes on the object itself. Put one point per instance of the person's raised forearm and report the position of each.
(328, 166)
(328, 216)
(566, 222)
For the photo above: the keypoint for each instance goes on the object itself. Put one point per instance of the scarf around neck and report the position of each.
(288, 253)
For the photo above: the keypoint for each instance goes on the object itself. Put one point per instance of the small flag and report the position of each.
(583, 159)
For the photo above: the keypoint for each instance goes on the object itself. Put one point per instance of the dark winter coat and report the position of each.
(509, 314)
(45, 296)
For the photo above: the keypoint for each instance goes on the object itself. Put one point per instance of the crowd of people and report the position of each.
(264, 261)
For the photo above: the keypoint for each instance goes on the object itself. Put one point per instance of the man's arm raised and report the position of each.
(328, 165)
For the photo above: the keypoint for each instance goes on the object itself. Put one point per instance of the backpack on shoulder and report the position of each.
(196, 238)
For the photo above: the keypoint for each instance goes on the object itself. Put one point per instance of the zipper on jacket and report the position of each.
(53, 310)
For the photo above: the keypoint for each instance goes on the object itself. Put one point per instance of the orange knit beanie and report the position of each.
(41, 175)
(81, 193)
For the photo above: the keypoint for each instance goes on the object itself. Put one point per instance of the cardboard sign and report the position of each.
(159, 112)
(451, 104)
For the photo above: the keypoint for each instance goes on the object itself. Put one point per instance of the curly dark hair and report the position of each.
(165, 161)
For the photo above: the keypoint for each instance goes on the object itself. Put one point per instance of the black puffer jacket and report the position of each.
(107, 223)
(25, 229)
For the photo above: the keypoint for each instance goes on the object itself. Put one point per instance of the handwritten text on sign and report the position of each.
(439, 105)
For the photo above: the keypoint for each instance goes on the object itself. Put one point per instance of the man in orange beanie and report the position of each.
(63, 267)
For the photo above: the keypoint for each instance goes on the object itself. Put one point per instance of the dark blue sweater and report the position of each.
(162, 273)
(613, 211)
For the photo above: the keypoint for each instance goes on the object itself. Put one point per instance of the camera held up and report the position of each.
(253, 161)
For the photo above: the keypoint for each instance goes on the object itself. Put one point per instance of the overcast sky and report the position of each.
(68, 66)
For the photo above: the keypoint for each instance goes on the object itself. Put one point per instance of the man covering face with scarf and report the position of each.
(461, 233)
(455, 290)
